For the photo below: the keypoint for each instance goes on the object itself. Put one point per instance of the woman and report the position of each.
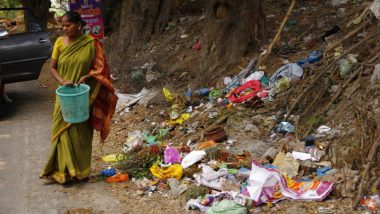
(78, 58)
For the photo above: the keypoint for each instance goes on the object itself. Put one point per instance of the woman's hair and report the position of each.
(74, 17)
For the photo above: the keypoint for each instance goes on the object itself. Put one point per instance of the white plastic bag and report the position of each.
(192, 158)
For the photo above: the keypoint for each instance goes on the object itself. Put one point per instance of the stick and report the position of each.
(349, 35)
(324, 71)
(222, 119)
(277, 36)
(353, 76)
(371, 158)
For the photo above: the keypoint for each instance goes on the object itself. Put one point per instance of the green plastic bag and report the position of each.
(227, 207)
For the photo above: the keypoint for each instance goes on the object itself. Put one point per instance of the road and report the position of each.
(25, 135)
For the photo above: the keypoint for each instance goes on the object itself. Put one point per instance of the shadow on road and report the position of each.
(23, 96)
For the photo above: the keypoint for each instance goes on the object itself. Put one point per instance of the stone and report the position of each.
(338, 3)
(299, 209)
(251, 128)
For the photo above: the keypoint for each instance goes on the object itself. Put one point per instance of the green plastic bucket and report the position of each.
(74, 102)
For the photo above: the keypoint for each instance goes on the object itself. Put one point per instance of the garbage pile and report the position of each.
(226, 150)
(235, 179)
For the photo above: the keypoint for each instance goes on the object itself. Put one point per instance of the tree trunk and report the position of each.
(140, 21)
(111, 15)
(40, 9)
(231, 30)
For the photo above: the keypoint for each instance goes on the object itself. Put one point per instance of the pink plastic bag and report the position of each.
(270, 185)
(171, 155)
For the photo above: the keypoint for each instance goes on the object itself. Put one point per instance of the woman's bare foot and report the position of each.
(48, 180)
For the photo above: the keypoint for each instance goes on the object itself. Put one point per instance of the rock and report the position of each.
(341, 12)
(270, 153)
(150, 76)
(236, 123)
(257, 119)
(298, 146)
(338, 3)
(375, 8)
(255, 147)
(251, 128)
(299, 209)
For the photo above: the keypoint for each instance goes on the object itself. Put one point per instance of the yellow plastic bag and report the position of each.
(167, 94)
(173, 171)
(112, 157)
(180, 120)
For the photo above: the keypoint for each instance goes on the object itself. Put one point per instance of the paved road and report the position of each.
(25, 134)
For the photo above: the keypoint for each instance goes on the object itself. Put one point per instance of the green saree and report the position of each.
(72, 143)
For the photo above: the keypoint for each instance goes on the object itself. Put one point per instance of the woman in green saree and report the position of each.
(78, 58)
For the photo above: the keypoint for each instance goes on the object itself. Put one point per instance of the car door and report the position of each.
(24, 51)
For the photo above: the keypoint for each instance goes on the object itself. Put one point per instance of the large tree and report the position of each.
(40, 8)
(140, 21)
(231, 30)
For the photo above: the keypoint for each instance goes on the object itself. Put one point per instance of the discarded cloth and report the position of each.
(269, 185)
(290, 70)
(245, 92)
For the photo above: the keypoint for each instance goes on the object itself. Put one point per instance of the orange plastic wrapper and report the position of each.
(118, 178)
(206, 144)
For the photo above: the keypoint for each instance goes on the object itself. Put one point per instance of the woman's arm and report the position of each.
(97, 64)
(56, 76)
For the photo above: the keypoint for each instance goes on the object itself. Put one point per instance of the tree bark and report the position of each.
(40, 9)
(140, 21)
(231, 30)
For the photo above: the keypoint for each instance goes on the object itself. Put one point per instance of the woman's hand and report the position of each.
(67, 83)
(84, 79)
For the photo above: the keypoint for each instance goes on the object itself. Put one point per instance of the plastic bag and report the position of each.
(118, 178)
(269, 185)
(211, 178)
(180, 120)
(171, 155)
(257, 75)
(135, 138)
(227, 207)
(167, 94)
(173, 171)
(192, 158)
